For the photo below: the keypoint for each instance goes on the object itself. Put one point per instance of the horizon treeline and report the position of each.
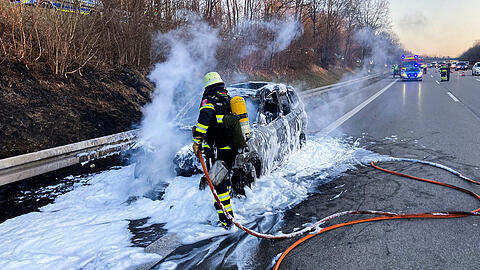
(471, 53)
(121, 33)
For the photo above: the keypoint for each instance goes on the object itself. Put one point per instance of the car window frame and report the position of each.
(263, 121)
(289, 101)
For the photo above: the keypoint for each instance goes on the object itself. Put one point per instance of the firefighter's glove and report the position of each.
(197, 146)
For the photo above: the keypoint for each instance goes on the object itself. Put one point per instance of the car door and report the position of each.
(269, 132)
(282, 127)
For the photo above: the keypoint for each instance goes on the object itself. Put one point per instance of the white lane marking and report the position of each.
(354, 111)
(478, 80)
(437, 82)
(431, 75)
(453, 97)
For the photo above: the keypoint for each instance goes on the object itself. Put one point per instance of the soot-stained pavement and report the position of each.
(400, 244)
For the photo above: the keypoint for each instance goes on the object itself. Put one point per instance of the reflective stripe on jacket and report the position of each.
(210, 120)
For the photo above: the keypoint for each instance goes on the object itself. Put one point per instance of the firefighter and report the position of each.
(395, 70)
(215, 138)
(444, 72)
(448, 71)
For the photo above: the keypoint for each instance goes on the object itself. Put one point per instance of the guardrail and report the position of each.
(325, 89)
(33, 164)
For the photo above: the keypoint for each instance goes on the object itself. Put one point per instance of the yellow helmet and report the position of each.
(212, 78)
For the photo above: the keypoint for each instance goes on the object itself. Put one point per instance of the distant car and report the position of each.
(411, 71)
(476, 69)
(82, 6)
(462, 66)
(278, 121)
(453, 65)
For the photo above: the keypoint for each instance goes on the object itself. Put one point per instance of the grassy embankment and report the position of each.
(54, 90)
(312, 77)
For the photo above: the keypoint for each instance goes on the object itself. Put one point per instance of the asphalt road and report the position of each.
(409, 119)
(431, 120)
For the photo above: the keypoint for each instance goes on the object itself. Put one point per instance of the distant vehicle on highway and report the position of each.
(410, 68)
(81, 6)
(453, 65)
(462, 65)
(476, 69)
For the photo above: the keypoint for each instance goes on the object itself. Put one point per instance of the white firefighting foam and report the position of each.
(87, 228)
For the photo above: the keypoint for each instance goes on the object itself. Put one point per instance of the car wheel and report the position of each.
(245, 176)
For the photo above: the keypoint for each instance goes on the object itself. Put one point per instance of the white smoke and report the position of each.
(190, 53)
(248, 50)
(285, 32)
(380, 50)
(379, 46)
(254, 34)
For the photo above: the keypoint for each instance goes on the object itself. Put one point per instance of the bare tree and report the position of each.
(121, 33)
(374, 14)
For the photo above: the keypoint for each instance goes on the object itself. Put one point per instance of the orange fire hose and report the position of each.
(227, 214)
(382, 215)
(398, 216)
(281, 235)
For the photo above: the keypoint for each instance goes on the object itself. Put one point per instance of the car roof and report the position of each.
(254, 89)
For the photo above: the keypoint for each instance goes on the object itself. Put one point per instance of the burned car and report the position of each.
(278, 123)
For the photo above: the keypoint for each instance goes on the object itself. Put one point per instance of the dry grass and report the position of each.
(67, 41)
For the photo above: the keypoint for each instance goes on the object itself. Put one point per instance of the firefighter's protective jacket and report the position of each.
(214, 106)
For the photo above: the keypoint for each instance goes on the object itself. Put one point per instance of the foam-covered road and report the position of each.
(103, 220)
(431, 120)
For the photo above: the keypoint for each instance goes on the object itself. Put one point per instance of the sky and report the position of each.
(436, 27)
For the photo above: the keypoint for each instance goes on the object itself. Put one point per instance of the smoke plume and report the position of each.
(279, 33)
(380, 48)
(189, 51)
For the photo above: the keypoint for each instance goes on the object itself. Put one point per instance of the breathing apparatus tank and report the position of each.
(239, 108)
